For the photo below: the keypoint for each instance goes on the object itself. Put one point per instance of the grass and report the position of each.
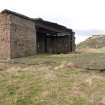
(53, 80)
(83, 60)
(96, 41)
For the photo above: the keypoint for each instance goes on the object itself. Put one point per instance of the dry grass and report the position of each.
(92, 50)
(52, 80)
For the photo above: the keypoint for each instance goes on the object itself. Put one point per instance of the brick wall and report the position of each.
(4, 36)
(23, 37)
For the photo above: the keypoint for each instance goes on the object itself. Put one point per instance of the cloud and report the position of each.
(83, 15)
(82, 35)
(76, 14)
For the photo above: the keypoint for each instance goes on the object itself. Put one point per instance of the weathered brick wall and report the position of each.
(23, 37)
(18, 38)
(4, 36)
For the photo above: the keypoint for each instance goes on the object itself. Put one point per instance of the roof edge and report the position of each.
(16, 14)
(33, 19)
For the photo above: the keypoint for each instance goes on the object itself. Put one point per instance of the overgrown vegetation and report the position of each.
(53, 80)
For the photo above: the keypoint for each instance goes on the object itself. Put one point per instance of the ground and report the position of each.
(63, 79)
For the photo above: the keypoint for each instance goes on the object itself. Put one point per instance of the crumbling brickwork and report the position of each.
(4, 36)
(17, 36)
(23, 37)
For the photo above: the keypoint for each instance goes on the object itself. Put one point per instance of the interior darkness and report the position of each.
(49, 42)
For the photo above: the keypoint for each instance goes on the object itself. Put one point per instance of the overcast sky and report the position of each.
(83, 16)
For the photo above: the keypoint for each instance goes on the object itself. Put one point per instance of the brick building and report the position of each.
(24, 36)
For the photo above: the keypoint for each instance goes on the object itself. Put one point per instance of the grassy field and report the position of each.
(62, 79)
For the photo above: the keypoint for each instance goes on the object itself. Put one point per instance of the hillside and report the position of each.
(96, 41)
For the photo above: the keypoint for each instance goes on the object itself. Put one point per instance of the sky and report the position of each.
(85, 17)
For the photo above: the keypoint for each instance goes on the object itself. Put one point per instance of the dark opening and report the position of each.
(50, 42)
(41, 42)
